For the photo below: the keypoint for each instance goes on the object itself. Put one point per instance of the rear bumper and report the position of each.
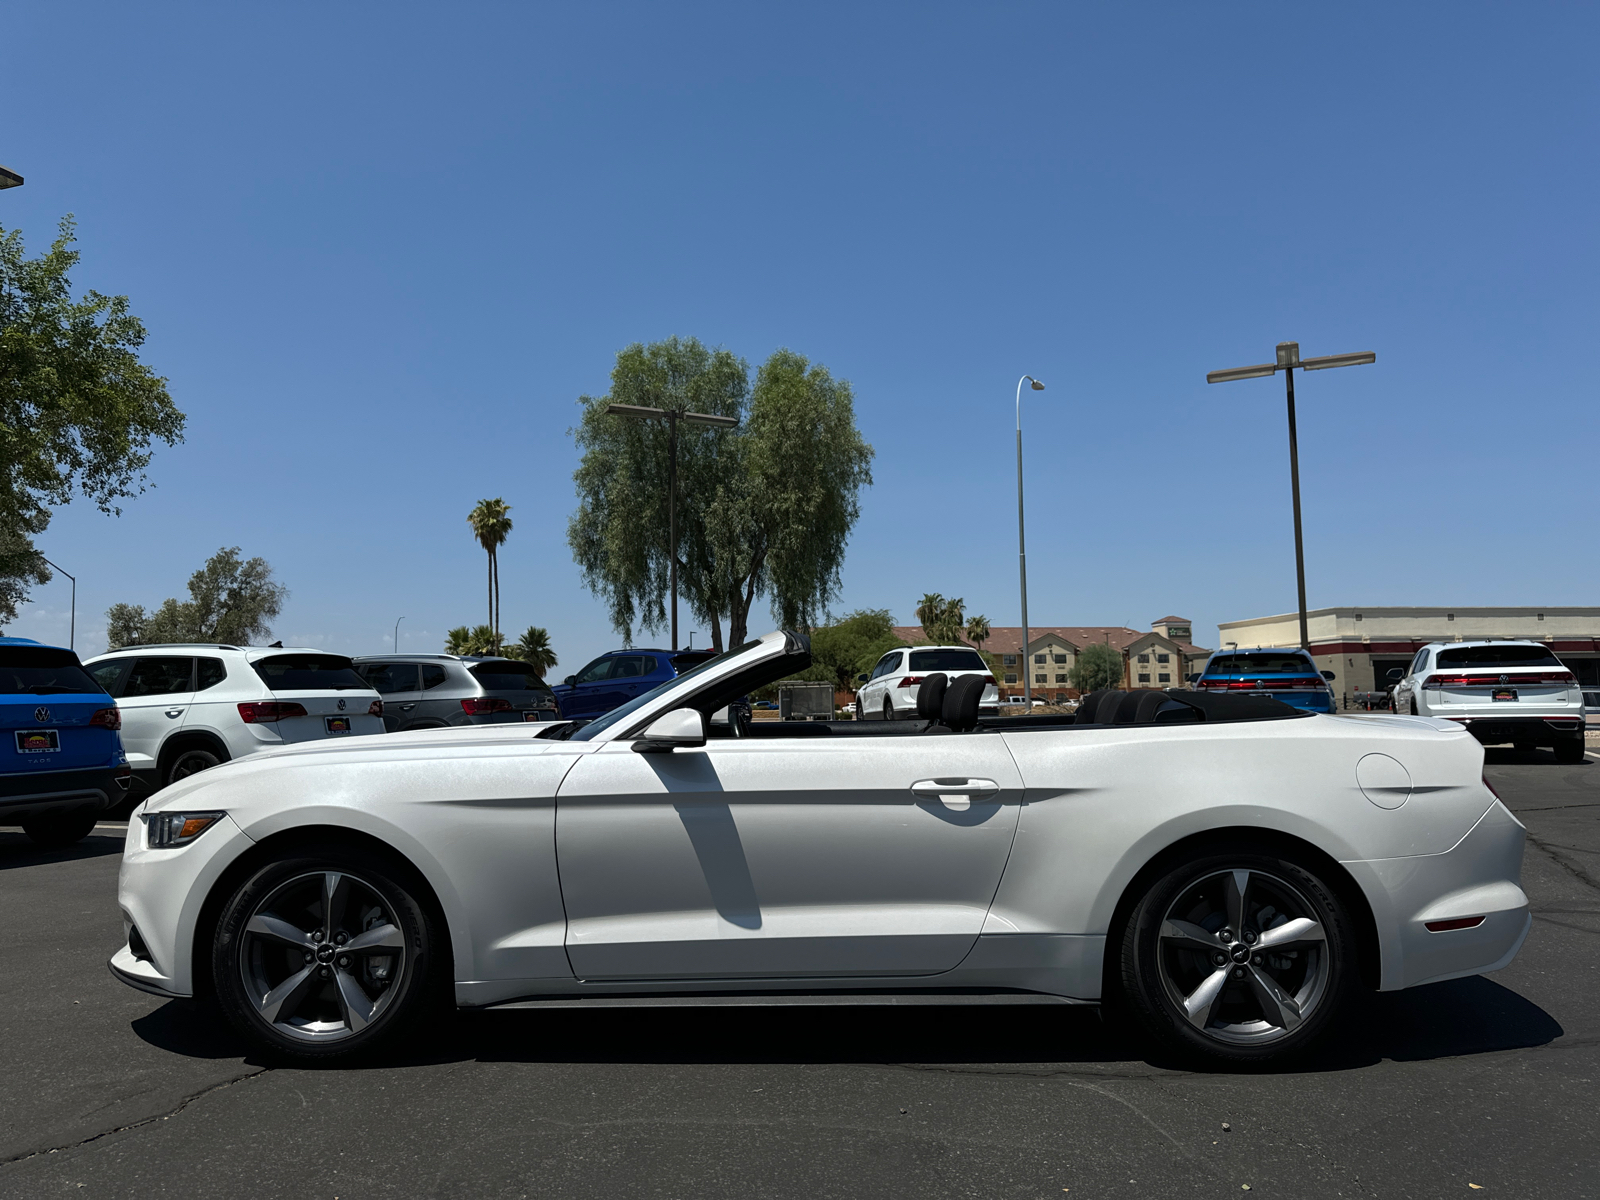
(1540, 729)
(24, 797)
(1479, 877)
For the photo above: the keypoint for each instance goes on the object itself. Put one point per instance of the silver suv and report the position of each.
(431, 691)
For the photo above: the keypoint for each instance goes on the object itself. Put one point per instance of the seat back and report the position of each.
(1105, 712)
(930, 696)
(961, 700)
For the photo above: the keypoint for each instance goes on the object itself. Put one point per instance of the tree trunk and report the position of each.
(495, 555)
(489, 553)
(716, 633)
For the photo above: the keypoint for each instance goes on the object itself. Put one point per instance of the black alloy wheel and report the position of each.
(888, 709)
(54, 832)
(327, 954)
(192, 762)
(1239, 958)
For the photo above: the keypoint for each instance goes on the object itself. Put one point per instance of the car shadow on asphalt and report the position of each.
(18, 850)
(1444, 1020)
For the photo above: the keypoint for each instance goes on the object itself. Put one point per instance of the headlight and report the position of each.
(165, 830)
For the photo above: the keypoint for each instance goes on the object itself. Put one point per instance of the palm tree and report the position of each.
(930, 611)
(480, 640)
(491, 525)
(533, 647)
(456, 641)
(978, 630)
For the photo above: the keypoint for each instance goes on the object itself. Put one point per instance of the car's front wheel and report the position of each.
(1570, 750)
(326, 953)
(1239, 958)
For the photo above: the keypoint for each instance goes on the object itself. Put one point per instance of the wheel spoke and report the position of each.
(353, 1002)
(1236, 886)
(1189, 936)
(381, 937)
(1276, 1005)
(1291, 933)
(283, 999)
(333, 897)
(267, 926)
(1197, 1005)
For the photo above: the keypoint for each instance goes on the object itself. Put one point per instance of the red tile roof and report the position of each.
(1007, 639)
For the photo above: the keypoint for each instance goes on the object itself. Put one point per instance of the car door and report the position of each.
(397, 686)
(806, 856)
(440, 702)
(870, 696)
(154, 696)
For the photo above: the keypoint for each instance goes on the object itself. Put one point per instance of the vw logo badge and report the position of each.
(341, 706)
(41, 714)
(1505, 679)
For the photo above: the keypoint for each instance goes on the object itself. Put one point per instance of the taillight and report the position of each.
(1294, 683)
(482, 706)
(910, 681)
(375, 709)
(1453, 681)
(264, 712)
(110, 718)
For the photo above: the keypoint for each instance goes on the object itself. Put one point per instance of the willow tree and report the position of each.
(764, 509)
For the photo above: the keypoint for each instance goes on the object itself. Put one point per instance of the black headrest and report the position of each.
(961, 702)
(930, 696)
(1105, 708)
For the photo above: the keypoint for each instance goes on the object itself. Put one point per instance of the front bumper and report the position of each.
(1480, 876)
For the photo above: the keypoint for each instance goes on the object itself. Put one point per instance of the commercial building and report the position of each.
(1158, 658)
(1360, 645)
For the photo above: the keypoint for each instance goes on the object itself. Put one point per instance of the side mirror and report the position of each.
(1329, 676)
(861, 678)
(685, 727)
(570, 680)
(1395, 673)
(1195, 678)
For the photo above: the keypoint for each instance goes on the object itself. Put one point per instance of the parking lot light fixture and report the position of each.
(1022, 548)
(1287, 359)
(72, 628)
(672, 416)
(9, 179)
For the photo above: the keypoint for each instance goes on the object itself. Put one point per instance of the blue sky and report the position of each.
(380, 251)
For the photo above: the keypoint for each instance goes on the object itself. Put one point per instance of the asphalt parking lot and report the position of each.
(1489, 1082)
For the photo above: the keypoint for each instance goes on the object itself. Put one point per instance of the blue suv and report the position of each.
(618, 676)
(1287, 675)
(61, 759)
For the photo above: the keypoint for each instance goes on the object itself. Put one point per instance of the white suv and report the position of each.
(889, 693)
(1517, 692)
(189, 707)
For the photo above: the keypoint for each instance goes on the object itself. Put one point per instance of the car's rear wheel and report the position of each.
(888, 710)
(1570, 750)
(1414, 711)
(192, 762)
(326, 953)
(54, 832)
(1239, 958)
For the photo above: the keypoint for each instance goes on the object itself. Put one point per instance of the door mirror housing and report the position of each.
(861, 678)
(682, 727)
(570, 680)
(1195, 678)
(1395, 673)
(1329, 676)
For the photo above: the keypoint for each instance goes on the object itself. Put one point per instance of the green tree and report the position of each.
(491, 525)
(850, 646)
(764, 509)
(1098, 666)
(930, 611)
(533, 647)
(942, 620)
(229, 601)
(478, 641)
(78, 410)
(978, 631)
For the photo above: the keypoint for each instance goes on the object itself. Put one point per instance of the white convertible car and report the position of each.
(1229, 869)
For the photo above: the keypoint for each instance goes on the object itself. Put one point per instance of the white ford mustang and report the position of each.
(1229, 869)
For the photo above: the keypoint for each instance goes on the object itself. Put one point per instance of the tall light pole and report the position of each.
(72, 629)
(1022, 551)
(672, 416)
(1288, 360)
(397, 621)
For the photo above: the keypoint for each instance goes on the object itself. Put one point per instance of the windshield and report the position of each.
(638, 702)
(508, 677)
(1260, 664)
(1498, 656)
(308, 673)
(25, 670)
(947, 660)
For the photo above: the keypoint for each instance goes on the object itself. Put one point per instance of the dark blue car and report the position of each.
(1287, 675)
(618, 676)
(61, 759)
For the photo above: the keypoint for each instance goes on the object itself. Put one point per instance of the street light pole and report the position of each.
(672, 416)
(1022, 551)
(1288, 358)
(397, 621)
(72, 628)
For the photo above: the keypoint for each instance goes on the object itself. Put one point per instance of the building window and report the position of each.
(1038, 678)
(1011, 677)
(1163, 677)
(1449, 616)
(1010, 660)
(1541, 616)
(1061, 678)
(1144, 676)
(1038, 658)
(1058, 658)
(1161, 658)
(1144, 658)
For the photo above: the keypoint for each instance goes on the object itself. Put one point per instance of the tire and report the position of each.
(860, 716)
(1523, 747)
(192, 762)
(1570, 750)
(1265, 1007)
(888, 709)
(54, 832)
(311, 1000)
(1414, 711)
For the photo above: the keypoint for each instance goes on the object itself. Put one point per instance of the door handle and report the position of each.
(407, 707)
(174, 712)
(955, 789)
